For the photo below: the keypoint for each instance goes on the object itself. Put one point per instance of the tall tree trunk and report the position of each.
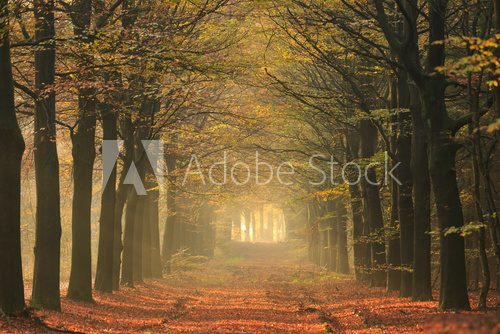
(261, 222)
(236, 223)
(156, 268)
(332, 227)
(422, 287)
(360, 247)
(372, 206)
(168, 245)
(453, 294)
(139, 224)
(270, 225)
(104, 273)
(342, 253)
(442, 152)
(405, 203)
(121, 193)
(475, 133)
(147, 271)
(128, 241)
(314, 250)
(11, 152)
(248, 218)
(139, 221)
(46, 291)
(121, 199)
(394, 241)
(83, 151)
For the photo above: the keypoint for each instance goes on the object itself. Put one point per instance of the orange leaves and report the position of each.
(270, 290)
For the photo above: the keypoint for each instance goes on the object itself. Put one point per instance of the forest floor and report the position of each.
(257, 289)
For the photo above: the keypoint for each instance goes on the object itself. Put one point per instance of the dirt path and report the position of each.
(256, 290)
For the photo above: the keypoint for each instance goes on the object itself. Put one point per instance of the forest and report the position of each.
(249, 166)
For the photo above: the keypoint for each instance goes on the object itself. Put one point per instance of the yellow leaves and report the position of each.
(482, 57)
(493, 127)
(337, 191)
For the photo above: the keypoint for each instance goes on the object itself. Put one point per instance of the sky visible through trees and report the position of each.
(317, 163)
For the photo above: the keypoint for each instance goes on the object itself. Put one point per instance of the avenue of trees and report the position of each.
(375, 83)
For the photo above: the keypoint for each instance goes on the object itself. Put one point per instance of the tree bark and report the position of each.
(83, 151)
(248, 218)
(360, 247)
(270, 225)
(261, 222)
(372, 206)
(442, 151)
(394, 241)
(422, 287)
(236, 224)
(342, 253)
(169, 234)
(138, 231)
(11, 153)
(147, 271)
(405, 203)
(104, 273)
(46, 291)
(156, 268)
(332, 227)
(128, 241)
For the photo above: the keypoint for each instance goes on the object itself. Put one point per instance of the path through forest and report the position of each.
(257, 289)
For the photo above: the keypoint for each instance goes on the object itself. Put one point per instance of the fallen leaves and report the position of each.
(259, 295)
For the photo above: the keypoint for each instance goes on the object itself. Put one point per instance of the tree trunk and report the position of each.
(248, 218)
(156, 271)
(270, 225)
(342, 253)
(405, 203)
(332, 227)
(422, 287)
(147, 271)
(171, 223)
(83, 151)
(360, 247)
(453, 293)
(394, 241)
(121, 199)
(11, 153)
(261, 222)
(477, 155)
(128, 241)
(372, 206)
(46, 291)
(139, 228)
(104, 273)
(314, 239)
(236, 223)
(442, 151)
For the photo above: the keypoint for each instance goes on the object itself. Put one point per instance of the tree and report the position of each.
(46, 291)
(442, 147)
(83, 151)
(104, 273)
(11, 153)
